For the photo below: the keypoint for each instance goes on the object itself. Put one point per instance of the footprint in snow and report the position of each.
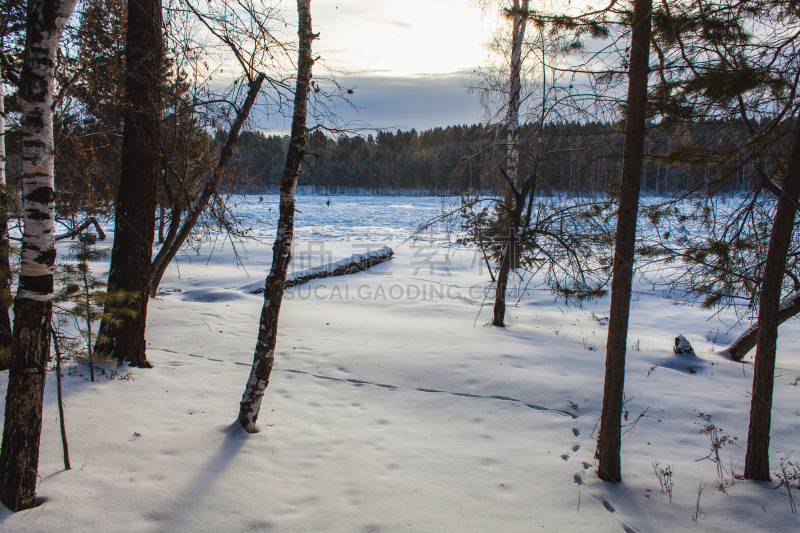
(576, 431)
(578, 479)
(607, 505)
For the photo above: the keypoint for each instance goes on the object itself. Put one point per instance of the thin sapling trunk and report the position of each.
(264, 356)
(87, 295)
(64, 445)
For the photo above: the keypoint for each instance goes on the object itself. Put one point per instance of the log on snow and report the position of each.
(343, 267)
(749, 337)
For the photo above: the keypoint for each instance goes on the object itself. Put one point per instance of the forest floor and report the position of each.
(394, 406)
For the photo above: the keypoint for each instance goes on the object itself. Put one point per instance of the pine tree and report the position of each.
(609, 440)
(85, 300)
(134, 227)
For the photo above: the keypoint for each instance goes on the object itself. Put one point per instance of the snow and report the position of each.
(394, 406)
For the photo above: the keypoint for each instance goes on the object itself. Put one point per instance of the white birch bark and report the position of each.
(19, 454)
(510, 255)
(38, 250)
(264, 355)
(512, 117)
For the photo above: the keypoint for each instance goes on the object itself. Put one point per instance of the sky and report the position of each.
(408, 62)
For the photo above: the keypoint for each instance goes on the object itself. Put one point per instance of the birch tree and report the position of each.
(519, 17)
(264, 356)
(19, 456)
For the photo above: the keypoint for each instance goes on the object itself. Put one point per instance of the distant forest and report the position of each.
(567, 158)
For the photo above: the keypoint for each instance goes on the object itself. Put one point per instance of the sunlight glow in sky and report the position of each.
(403, 38)
(407, 61)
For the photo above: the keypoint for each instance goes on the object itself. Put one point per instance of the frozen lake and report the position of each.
(343, 217)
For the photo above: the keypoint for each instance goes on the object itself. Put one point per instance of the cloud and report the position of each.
(420, 102)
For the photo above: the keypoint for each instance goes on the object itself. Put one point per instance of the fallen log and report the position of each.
(748, 339)
(343, 267)
(91, 221)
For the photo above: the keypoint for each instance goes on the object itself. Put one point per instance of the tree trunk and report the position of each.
(512, 119)
(168, 252)
(510, 259)
(134, 227)
(6, 300)
(281, 251)
(19, 455)
(756, 464)
(498, 318)
(747, 340)
(60, 397)
(609, 439)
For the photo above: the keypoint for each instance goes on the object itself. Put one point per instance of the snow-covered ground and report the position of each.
(394, 407)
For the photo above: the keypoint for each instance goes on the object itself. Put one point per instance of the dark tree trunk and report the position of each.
(609, 439)
(64, 445)
(756, 464)
(281, 251)
(748, 339)
(510, 259)
(19, 454)
(169, 251)
(134, 227)
(498, 318)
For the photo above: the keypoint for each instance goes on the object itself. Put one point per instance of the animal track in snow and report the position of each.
(607, 505)
(359, 382)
